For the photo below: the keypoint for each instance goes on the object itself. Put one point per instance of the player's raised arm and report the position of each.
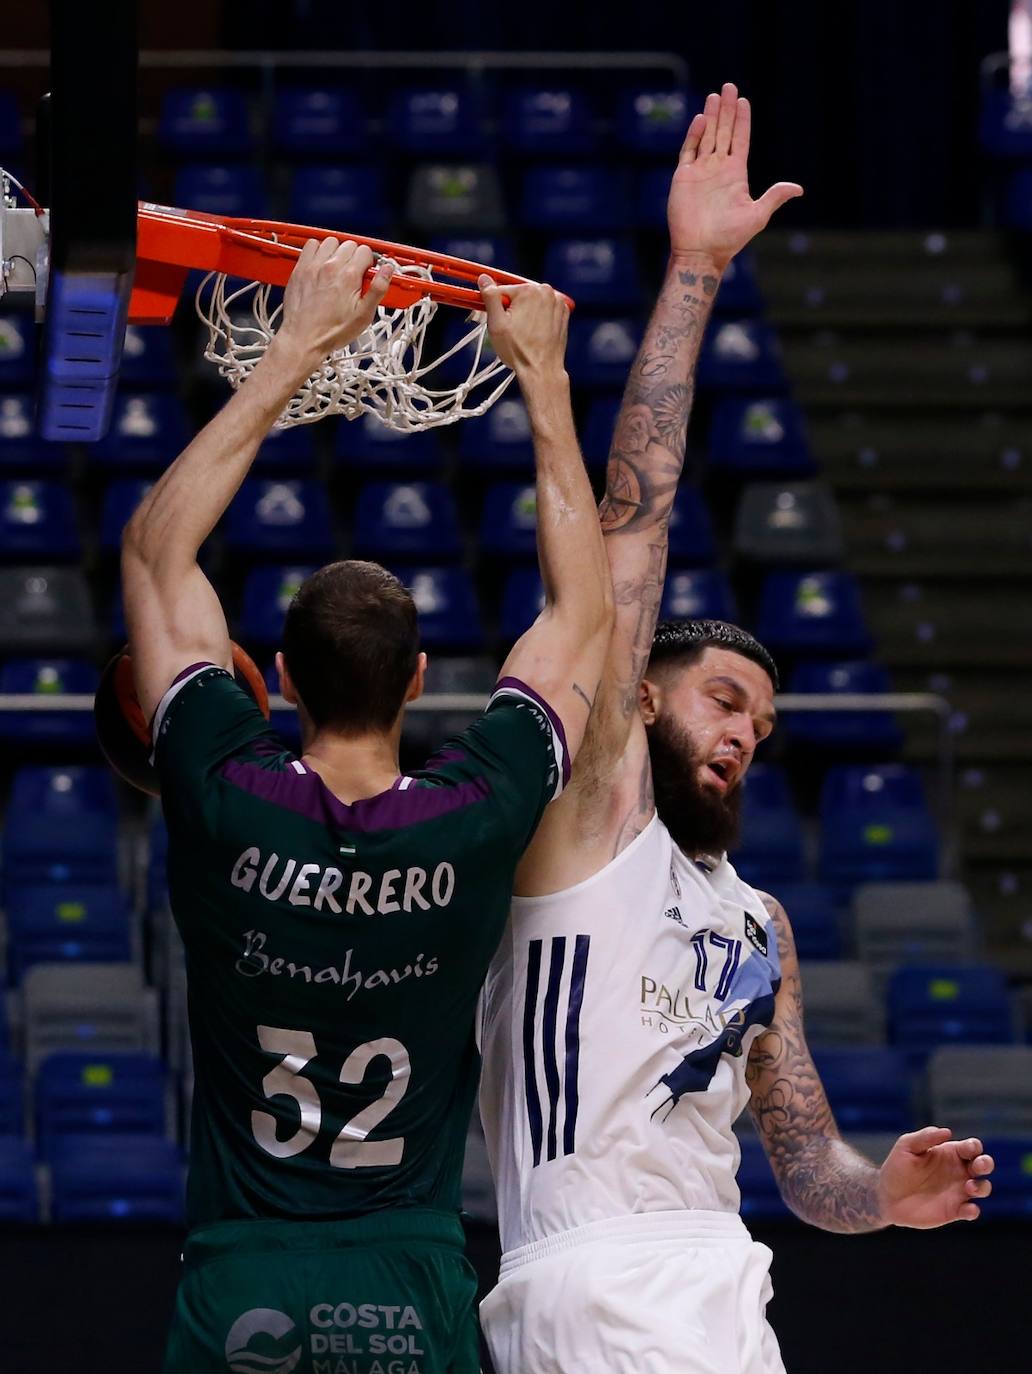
(560, 657)
(927, 1180)
(172, 611)
(711, 217)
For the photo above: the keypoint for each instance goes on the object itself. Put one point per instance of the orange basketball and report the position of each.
(123, 732)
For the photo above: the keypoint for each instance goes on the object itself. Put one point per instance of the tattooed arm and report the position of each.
(927, 1179)
(711, 217)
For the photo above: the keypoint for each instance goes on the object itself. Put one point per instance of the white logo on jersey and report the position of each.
(276, 1354)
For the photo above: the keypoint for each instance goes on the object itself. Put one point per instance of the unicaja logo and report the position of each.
(263, 1341)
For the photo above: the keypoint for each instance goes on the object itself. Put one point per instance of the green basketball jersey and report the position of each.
(335, 952)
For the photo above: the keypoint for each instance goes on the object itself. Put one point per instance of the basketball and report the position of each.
(122, 732)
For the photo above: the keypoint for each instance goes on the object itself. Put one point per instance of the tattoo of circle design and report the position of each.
(623, 498)
(672, 415)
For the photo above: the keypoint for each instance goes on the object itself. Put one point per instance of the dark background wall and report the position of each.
(898, 1302)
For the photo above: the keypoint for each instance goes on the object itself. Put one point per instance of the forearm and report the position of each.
(830, 1185)
(571, 553)
(187, 502)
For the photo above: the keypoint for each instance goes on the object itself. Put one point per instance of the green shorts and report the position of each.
(385, 1294)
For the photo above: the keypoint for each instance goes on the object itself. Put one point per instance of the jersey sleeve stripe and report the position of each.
(179, 682)
(529, 1068)
(549, 1018)
(513, 687)
(580, 968)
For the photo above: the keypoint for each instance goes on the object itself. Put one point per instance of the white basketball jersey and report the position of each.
(617, 1018)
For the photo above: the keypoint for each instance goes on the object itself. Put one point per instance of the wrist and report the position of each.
(543, 386)
(291, 359)
(699, 260)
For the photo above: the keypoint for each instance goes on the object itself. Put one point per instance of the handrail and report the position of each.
(263, 60)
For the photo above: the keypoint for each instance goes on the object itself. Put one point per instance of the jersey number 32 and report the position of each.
(351, 1149)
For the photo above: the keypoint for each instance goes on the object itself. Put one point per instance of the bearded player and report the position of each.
(643, 994)
(338, 916)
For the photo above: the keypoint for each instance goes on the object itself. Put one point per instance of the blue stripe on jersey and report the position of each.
(548, 1027)
(529, 1077)
(580, 967)
(695, 1071)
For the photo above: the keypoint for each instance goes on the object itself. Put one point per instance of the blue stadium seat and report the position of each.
(1012, 1177)
(121, 497)
(868, 1089)
(316, 121)
(574, 200)
(814, 913)
(115, 1178)
(42, 678)
(691, 530)
(1005, 125)
(17, 351)
(598, 273)
(148, 358)
(739, 293)
(19, 1200)
(287, 519)
(456, 367)
(554, 122)
(52, 923)
(20, 449)
(267, 594)
(492, 250)
(12, 1098)
(740, 355)
(876, 826)
(812, 613)
(349, 199)
(10, 125)
(650, 202)
(37, 522)
(287, 452)
(222, 189)
(699, 594)
(600, 352)
(949, 1004)
(752, 437)
(772, 833)
(99, 1094)
(866, 731)
(449, 616)
(1017, 199)
(522, 600)
(598, 428)
(402, 520)
(437, 122)
(761, 1198)
(508, 526)
(373, 447)
(148, 431)
(61, 826)
(499, 440)
(201, 122)
(655, 121)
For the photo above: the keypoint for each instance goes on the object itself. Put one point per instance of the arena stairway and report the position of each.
(911, 355)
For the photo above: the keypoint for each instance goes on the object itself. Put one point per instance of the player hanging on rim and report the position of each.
(338, 918)
(643, 993)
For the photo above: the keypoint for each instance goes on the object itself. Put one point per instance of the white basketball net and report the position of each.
(381, 371)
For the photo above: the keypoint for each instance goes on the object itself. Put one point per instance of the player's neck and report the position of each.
(355, 766)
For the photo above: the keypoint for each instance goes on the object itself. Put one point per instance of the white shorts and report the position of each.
(653, 1293)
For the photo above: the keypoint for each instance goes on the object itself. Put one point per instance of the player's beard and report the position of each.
(700, 819)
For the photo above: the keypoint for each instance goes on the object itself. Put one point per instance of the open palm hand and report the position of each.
(929, 1180)
(710, 211)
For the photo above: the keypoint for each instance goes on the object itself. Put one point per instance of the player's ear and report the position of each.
(286, 685)
(415, 687)
(650, 696)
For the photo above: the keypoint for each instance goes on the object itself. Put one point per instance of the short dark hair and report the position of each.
(684, 641)
(351, 644)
